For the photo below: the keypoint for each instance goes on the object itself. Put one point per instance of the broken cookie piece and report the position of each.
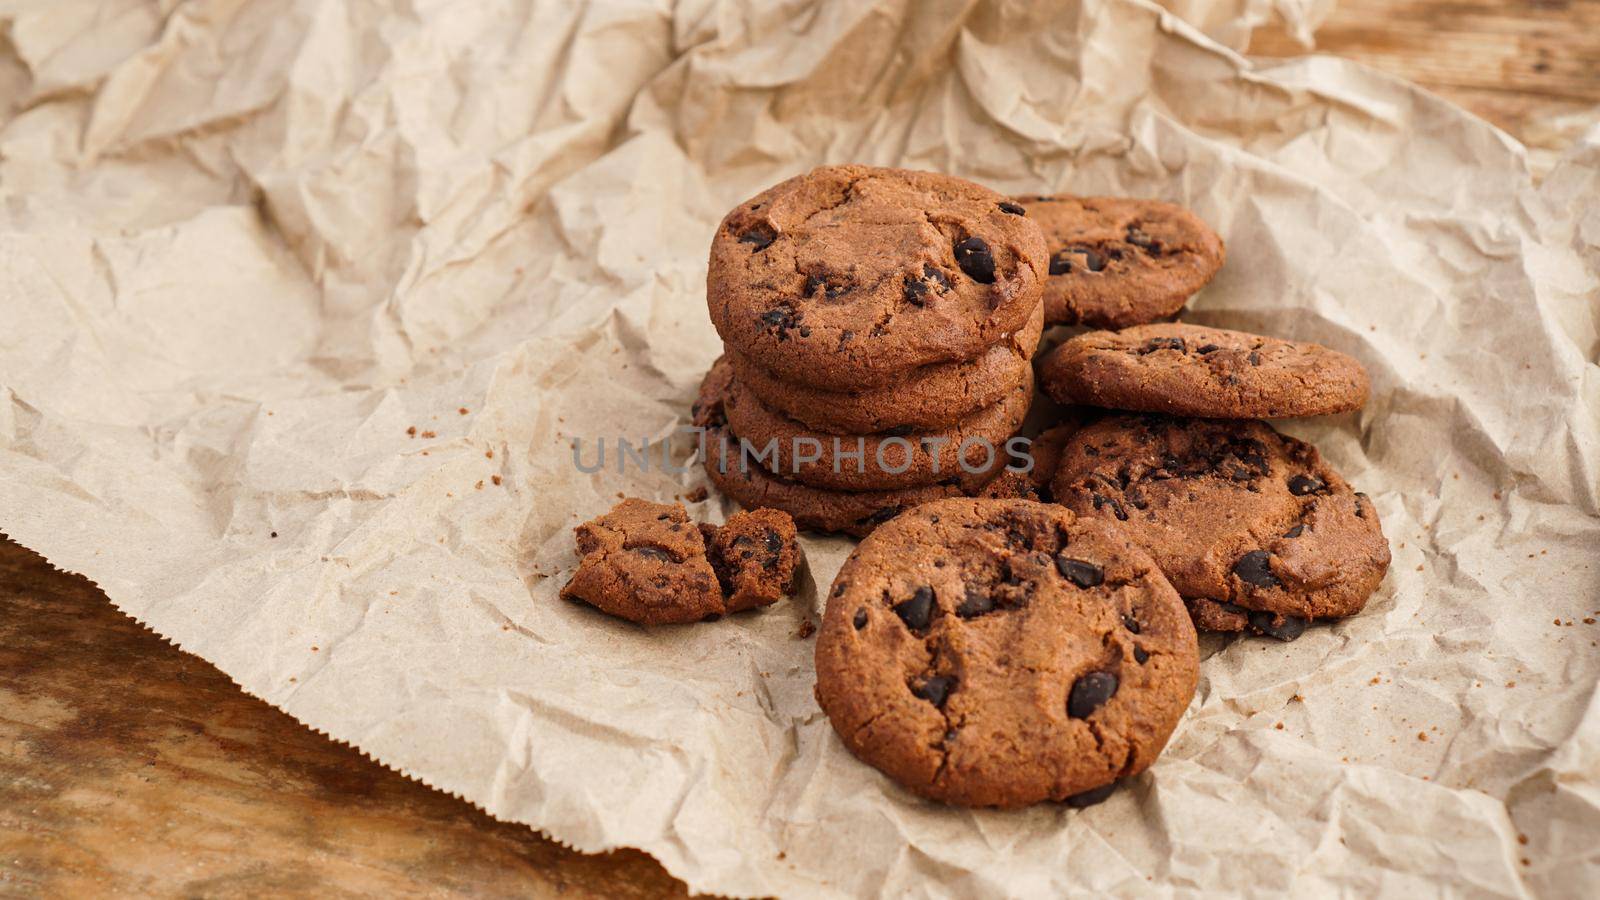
(756, 556)
(649, 563)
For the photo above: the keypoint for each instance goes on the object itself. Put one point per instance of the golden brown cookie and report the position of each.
(1192, 370)
(1251, 526)
(925, 398)
(1117, 261)
(1002, 653)
(847, 277)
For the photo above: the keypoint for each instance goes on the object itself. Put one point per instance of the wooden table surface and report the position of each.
(128, 766)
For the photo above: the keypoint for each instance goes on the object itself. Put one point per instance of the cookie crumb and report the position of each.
(807, 629)
(697, 495)
(429, 434)
(488, 454)
(1422, 735)
(275, 534)
(463, 410)
(495, 479)
(412, 431)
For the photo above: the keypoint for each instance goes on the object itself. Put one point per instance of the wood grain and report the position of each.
(129, 767)
(1532, 67)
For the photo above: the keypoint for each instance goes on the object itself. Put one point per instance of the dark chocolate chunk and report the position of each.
(977, 603)
(860, 621)
(975, 259)
(1089, 693)
(1295, 531)
(654, 553)
(1301, 485)
(1265, 623)
(1012, 208)
(1255, 568)
(936, 689)
(917, 612)
(1083, 574)
(1140, 655)
(1061, 262)
(759, 238)
(1130, 623)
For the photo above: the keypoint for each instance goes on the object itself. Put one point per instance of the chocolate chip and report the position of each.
(883, 515)
(899, 431)
(1140, 656)
(813, 283)
(1143, 241)
(1163, 343)
(1130, 623)
(805, 331)
(916, 291)
(1255, 568)
(1301, 485)
(1092, 797)
(1295, 531)
(1290, 628)
(654, 553)
(1061, 262)
(774, 542)
(977, 603)
(1012, 208)
(1209, 348)
(711, 617)
(974, 258)
(1093, 260)
(1083, 574)
(782, 318)
(759, 237)
(1089, 693)
(936, 689)
(937, 276)
(860, 621)
(917, 612)
(1255, 358)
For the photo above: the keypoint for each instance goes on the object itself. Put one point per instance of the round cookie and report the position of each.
(847, 277)
(1002, 653)
(1251, 526)
(925, 398)
(1192, 370)
(1117, 261)
(968, 452)
(750, 485)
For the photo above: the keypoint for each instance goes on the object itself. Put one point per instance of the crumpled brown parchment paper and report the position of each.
(285, 287)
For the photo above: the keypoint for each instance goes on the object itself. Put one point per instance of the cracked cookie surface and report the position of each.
(1002, 653)
(1252, 527)
(1117, 261)
(1192, 370)
(849, 276)
(649, 563)
(923, 398)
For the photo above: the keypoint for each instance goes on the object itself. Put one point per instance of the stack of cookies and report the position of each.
(879, 326)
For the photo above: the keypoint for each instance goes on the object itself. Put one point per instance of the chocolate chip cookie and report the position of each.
(648, 563)
(1118, 261)
(967, 452)
(924, 398)
(847, 277)
(1251, 526)
(1004, 652)
(1192, 370)
(751, 485)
